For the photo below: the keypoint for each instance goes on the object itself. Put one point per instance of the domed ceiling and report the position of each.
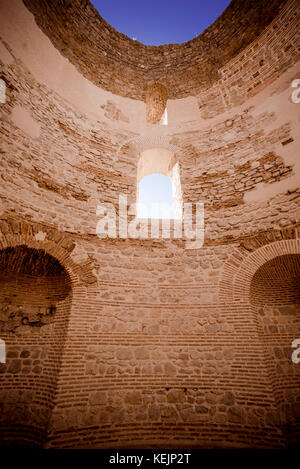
(124, 66)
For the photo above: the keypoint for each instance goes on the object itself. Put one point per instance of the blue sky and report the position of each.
(155, 189)
(158, 22)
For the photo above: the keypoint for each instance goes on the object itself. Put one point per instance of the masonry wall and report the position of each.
(160, 361)
(33, 314)
(158, 345)
(275, 294)
(194, 64)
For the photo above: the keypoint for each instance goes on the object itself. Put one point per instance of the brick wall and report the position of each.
(275, 293)
(33, 309)
(193, 64)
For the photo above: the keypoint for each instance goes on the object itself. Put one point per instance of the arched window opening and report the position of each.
(155, 197)
(158, 185)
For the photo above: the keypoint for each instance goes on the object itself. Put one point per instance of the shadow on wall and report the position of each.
(35, 298)
(275, 292)
(275, 295)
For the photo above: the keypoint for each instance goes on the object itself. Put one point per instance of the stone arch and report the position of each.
(15, 233)
(145, 142)
(48, 247)
(156, 160)
(33, 286)
(275, 336)
(275, 295)
(239, 269)
(30, 375)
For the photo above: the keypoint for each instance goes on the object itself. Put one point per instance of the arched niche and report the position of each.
(275, 298)
(275, 293)
(32, 283)
(35, 303)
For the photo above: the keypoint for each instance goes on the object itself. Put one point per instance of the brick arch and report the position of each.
(156, 160)
(145, 142)
(239, 269)
(16, 233)
(18, 421)
(48, 247)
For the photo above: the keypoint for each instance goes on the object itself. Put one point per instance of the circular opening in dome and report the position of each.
(160, 22)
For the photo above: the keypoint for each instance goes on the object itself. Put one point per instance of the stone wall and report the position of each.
(33, 309)
(156, 102)
(194, 64)
(275, 294)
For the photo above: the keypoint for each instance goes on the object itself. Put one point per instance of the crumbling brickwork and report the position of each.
(195, 63)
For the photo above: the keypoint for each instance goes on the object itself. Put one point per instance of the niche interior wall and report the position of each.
(134, 343)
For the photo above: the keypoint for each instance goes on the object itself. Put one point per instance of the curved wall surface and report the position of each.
(158, 345)
(91, 44)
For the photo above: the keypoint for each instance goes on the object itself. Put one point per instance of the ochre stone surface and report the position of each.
(150, 344)
(156, 102)
(92, 45)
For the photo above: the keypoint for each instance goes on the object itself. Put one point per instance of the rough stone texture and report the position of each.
(94, 45)
(156, 102)
(112, 112)
(184, 348)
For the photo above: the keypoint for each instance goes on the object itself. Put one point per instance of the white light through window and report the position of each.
(158, 185)
(155, 197)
